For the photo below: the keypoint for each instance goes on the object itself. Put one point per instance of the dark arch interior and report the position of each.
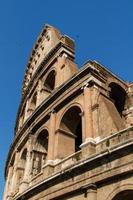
(118, 95)
(24, 154)
(42, 140)
(50, 81)
(23, 158)
(72, 122)
(124, 195)
(40, 151)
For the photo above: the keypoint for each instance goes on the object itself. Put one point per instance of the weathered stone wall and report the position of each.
(73, 129)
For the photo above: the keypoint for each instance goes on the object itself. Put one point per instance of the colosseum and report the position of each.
(74, 129)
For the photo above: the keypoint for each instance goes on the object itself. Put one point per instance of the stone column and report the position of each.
(51, 138)
(88, 145)
(66, 68)
(39, 93)
(28, 167)
(88, 112)
(128, 112)
(26, 178)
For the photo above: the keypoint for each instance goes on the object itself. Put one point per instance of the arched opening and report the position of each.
(33, 102)
(23, 156)
(72, 123)
(118, 95)
(124, 195)
(49, 83)
(40, 151)
(22, 165)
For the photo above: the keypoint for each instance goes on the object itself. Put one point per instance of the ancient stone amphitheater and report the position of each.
(74, 129)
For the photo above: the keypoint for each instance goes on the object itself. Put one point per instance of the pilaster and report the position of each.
(88, 145)
(90, 192)
(28, 168)
(51, 138)
(88, 112)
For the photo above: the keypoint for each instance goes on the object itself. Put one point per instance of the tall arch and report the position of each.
(49, 82)
(124, 195)
(40, 151)
(71, 123)
(119, 191)
(118, 95)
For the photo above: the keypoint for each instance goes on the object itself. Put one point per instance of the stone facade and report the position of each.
(74, 129)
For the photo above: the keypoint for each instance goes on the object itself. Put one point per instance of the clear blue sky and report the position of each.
(102, 30)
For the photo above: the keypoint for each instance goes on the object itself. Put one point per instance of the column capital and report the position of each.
(88, 188)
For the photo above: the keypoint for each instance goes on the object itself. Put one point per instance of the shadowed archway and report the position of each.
(72, 123)
(124, 195)
(118, 95)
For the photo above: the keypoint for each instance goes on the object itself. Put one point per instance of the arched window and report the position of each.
(124, 195)
(72, 123)
(49, 83)
(118, 95)
(40, 151)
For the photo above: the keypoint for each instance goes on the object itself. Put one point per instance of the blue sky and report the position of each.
(102, 30)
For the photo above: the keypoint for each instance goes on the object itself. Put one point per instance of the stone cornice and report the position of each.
(37, 43)
(45, 104)
(62, 40)
(56, 93)
(39, 69)
(97, 66)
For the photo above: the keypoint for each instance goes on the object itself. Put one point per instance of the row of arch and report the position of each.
(47, 86)
(117, 94)
(44, 88)
(71, 123)
(38, 154)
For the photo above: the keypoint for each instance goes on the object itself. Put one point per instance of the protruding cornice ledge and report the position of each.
(88, 69)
